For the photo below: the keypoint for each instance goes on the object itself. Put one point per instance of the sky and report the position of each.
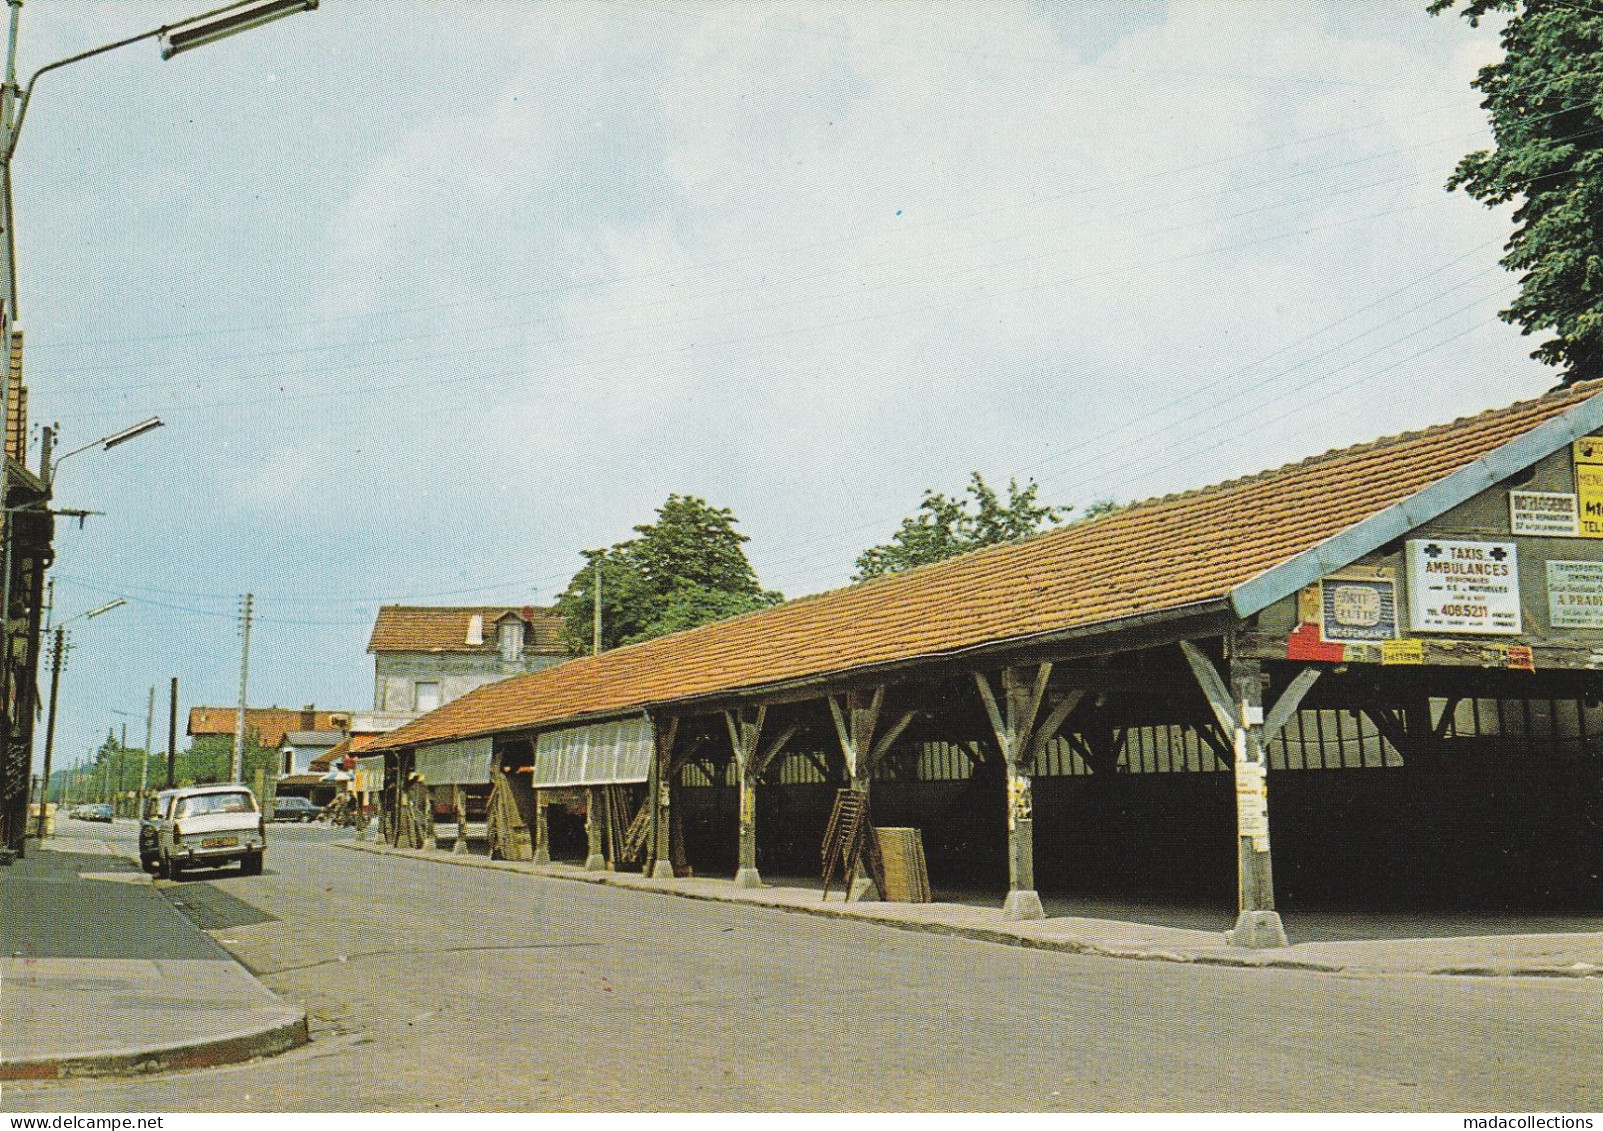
(431, 297)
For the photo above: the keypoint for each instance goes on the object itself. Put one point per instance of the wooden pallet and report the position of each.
(906, 874)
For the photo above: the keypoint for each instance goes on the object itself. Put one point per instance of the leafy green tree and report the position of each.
(685, 569)
(1545, 99)
(945, 526)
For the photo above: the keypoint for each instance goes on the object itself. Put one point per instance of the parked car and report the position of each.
(295, 809)
(101, 812)
(202, 826)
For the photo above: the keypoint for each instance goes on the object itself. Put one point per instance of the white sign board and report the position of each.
(1465, 588)
(1544, 513)
(1575, 594)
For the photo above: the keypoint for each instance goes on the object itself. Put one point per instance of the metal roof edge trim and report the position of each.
(649, 707)
(1363, 537)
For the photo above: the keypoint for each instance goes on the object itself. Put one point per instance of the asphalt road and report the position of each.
(434, 987)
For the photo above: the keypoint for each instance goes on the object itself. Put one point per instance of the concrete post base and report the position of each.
(746, 878)
(1257, 929)
(430, 844)
(595, 862)
(863, 891)
(1023, 904)
(460, 846)
(662, 870)
(542, 855)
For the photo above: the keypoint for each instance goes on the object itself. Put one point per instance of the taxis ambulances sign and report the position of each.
(1463, 588)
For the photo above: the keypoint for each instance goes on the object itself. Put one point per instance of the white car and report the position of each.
(202, 826)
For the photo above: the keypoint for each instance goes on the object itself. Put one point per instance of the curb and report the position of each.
(230, 1049)
(828, 911)
(1246, 960)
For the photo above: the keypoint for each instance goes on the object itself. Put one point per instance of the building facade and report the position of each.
(425, 657)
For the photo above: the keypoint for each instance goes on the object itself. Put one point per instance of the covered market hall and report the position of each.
(1366, 681)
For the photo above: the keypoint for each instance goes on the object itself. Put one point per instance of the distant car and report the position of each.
(202, 826)
(295, 809)
(97, 813)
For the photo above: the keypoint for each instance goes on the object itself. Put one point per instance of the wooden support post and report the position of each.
(594, 815)
(430, 842)
(661, 786)
(855, 720)
(542, 830)
(1018, 738)
(1239, 709)
(751, 759)
(459, 802)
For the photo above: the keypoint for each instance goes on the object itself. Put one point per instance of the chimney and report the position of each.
(309, 717)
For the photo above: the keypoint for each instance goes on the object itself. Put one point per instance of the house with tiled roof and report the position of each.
(426, 656)
(1410, 599)
(266, 726)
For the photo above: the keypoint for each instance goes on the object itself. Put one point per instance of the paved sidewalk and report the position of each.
(101, 976)
(1557, 955)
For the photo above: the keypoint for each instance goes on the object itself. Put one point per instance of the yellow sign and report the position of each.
(1589, 449)
(1402, 651)
(1589, 484)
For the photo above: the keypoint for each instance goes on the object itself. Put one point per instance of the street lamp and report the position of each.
(58, 656)
(196, 31)
(105, 443)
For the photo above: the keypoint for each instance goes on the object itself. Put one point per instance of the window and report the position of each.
(207, 803)
(425, 696)
(289, 762)
(511, 640)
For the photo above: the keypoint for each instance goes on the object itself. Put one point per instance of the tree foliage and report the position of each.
(685, 569)
(945, 526)
(1545, 99)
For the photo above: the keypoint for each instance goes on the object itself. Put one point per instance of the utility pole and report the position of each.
(144, 757)
(58, 654)
(595, 645)
(236, 768)
(172, 737)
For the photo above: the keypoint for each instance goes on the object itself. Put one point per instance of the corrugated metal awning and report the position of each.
(369, 775)
(455, 763)
(602, 754)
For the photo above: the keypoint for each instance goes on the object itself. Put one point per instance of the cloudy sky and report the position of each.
(433, 296)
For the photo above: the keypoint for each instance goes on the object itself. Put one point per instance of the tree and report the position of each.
(944, 527)
(688, 568)
(1545, 98)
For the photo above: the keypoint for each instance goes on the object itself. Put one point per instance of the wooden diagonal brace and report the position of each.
(1286, 706)
(1048, 730)
(774, 749)
(883, 744)
(998, 726)
(1213, 688)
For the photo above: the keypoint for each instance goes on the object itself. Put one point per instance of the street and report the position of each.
(438, 987)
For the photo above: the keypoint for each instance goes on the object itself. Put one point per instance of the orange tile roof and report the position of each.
(325, 761)
(416, 628)
(269, 723)
(1153, 557)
